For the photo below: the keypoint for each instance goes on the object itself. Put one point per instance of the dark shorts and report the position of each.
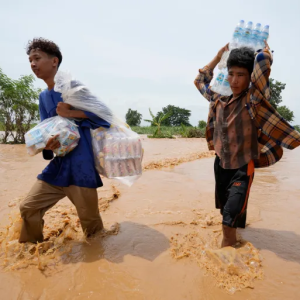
(232, 192)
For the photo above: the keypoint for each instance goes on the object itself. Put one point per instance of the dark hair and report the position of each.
(46, 46)
(241, 57)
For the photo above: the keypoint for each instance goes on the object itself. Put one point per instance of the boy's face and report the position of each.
(239, 79)
(42, 65)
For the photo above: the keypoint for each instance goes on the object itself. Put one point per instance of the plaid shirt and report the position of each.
(273, 132)
(235, 134)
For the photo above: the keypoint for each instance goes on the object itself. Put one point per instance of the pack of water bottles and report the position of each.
(64, 130)
(244, 35)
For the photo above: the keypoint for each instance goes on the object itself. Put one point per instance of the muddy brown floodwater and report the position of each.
(162, 235)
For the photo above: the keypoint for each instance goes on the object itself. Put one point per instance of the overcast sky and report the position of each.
(140, 54)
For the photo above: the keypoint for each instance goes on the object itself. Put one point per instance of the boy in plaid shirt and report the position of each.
(244, 130)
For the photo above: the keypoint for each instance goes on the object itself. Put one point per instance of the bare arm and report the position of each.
(218, 57)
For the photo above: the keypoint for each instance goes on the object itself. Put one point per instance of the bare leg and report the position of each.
(229, 236)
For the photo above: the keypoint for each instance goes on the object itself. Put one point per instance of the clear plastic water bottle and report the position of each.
(235, 43)
(223, 61)
(219, 82)
(237, 34)
(247, 34)
(255, 36)
(226, 90)
(264, 35)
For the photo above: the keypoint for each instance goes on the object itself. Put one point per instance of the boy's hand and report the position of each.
(266, 45)
(63, 110)
(222, 50)
(218, 57)
(52, 143)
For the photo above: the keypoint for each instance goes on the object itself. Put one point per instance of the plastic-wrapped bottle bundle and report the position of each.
(68, 136)
(118, 150)
(118, 153)
(243, 36)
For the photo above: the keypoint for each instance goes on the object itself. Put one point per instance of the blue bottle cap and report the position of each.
(267, 26)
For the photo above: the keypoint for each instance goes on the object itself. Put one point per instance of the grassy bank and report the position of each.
(152, 129)
(166, 130)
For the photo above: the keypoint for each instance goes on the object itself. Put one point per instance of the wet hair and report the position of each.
(46, 46)
(241, 57)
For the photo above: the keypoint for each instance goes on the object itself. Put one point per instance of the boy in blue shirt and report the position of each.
(73, 175)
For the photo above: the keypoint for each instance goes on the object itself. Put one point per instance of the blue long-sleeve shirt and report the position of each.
(77, 167)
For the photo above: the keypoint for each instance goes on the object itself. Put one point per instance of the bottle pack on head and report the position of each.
(244, 35)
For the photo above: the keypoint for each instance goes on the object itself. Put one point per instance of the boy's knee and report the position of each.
(24, 209)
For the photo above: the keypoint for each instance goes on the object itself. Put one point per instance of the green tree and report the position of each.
(2, 119)
(276, 88)
(18, 107)
(133, 117)
(297, 127)
(202, 124)
(177, 116)
(157, 121)
(286, 113)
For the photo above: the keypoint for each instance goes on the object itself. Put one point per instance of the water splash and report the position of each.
(62, 232)
(234, 268)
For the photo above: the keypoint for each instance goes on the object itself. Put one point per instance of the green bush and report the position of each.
(161, 136)
(195, 133)
(192, 132)
(168, 132)
(151, 130)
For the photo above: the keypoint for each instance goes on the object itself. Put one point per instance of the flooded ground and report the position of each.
(162, 235)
